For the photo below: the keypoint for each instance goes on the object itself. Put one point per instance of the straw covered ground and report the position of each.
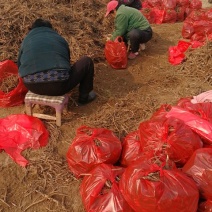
(125, 97)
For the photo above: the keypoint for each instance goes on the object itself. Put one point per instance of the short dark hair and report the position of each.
(41, 23)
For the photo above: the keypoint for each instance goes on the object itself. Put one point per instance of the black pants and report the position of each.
(82, 73)
(137, 36)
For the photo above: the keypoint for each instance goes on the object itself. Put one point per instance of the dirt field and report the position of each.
(125, 97)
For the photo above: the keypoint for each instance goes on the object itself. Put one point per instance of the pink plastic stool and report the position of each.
(57, 102)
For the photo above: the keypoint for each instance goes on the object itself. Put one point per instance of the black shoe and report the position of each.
(84, 99)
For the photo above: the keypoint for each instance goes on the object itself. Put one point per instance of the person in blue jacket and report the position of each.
(44, 64)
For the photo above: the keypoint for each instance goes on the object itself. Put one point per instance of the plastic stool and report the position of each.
(57, 102)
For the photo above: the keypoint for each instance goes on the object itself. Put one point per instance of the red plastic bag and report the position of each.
(176, 53)
(203, 110)
(195, 4)
(148, 187)
(170, 16)
(175, 57)
(149, 14)
(131, 148)
(92, 146)
(16, 96)
(100, 190)
(155, 3)
(187, 30)
(183, 3)
(199, 168)
(197, 124)
(202, 29)
(169, 4)
(180, 13)
(171, 137)
(208, 14)
(19, 132)
(116, 53)
(158, 15)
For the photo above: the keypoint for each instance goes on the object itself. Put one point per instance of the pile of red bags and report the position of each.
(168, 11)
(197, 26)
(165, 163)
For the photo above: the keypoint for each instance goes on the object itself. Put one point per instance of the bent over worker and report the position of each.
(131, 25)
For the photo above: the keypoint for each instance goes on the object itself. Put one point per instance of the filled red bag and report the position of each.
(92, 146)
(131, 148)
(180, 11)
(188, 29)
(169, 4)
(19, 132)
(183, 3)
(169, 136)
(149, 14)
(100, 190)
(155, 3)
(196, 4)
(15, 96)
(148, 187)
(116, 53)
(199, 168)
(158, 15)
(170, 16)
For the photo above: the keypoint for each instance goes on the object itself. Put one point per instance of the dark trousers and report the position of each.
(82, 73)
(137, 36)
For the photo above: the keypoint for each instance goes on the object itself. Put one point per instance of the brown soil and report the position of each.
(125, 97)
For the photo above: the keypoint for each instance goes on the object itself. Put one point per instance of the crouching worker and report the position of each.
(131, 25)
(44, 64)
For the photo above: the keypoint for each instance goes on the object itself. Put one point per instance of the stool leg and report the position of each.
(28, 107)
(58, 117)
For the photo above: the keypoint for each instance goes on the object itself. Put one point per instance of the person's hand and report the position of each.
(108, 37)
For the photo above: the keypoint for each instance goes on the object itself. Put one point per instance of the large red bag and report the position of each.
(100, 190)
(19, 132)
(169, 136)
(148, 187)
(116, 53)
(15, 96)
(90, 147)
(180, 11)
(199, 168)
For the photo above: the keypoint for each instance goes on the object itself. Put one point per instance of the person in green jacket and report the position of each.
(44, 64)
(131, 25)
